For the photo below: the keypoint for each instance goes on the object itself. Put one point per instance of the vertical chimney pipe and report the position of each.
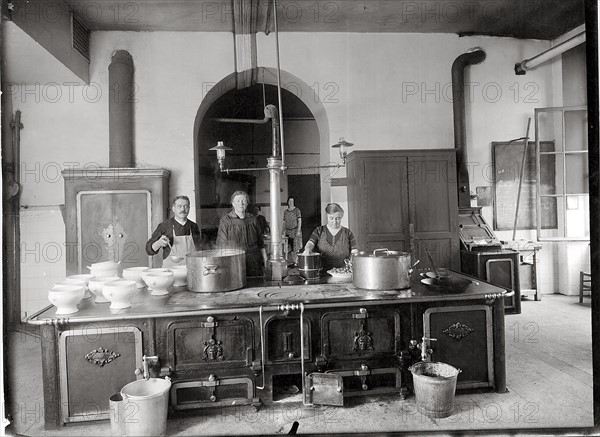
(120, 110)
(475, 56)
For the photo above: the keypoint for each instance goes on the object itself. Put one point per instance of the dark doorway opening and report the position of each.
(306, 191)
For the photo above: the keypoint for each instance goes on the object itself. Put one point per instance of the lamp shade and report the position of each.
(220, 148)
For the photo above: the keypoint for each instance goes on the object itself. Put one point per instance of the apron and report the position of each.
(182, 245)
(334, 253)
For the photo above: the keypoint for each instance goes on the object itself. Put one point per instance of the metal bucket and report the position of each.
(145, 407)
(117, 424)
(435, 385)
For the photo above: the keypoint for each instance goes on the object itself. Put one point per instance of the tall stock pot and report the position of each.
(381, 269)
(216, 270)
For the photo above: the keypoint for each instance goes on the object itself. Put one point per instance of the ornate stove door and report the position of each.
(113, 225)
(360, 334)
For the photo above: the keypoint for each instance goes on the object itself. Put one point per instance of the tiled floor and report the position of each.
(549, 376)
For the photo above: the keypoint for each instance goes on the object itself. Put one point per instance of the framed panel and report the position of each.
(198, 345)
(117, 225)
(282, 339)
(212, 392)
(360, 334)
(464, 340)
(94, 364)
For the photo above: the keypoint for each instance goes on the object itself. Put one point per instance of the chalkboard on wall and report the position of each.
(507, 159)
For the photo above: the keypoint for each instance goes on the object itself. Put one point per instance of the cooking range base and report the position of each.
(234, 348)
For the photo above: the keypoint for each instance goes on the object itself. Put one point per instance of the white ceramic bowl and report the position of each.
(158, 282)
(96, 285)
(157, 269)
(72, 281)
(135, 274)
(120, 293)
(106, 268)
(179, 275)
(66, 297)
(85, 277)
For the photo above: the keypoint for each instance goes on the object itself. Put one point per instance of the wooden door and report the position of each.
(113, 226)
(130, 213)
(306, 191)
(434, 209)
(385, 205)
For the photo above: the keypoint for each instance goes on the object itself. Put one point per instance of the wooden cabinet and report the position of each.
(110, 213)
(405, 200)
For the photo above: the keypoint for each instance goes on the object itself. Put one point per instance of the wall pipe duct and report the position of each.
(475, 56)
(120, 110)
(529, 64)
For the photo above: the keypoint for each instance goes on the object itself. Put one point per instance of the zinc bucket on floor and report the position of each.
(145, 407)
(117, 425)
(434, 384)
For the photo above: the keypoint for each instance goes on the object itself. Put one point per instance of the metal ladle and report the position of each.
(175, 259)
(437, 275)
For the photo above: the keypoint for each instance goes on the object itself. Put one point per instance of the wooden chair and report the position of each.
(585, 284)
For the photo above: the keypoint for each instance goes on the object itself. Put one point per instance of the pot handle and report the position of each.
(211, 269)
(413, 267)
(379, 250)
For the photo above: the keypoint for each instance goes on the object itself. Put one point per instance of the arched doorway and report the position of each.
(306, 134)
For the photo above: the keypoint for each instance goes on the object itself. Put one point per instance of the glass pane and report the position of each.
(551, 174)
(577, 217)
(577, 174)
(555, 231)
(550, 127)
(576, 130)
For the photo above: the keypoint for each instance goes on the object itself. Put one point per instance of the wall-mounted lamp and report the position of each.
(220, 148)
(343, 148)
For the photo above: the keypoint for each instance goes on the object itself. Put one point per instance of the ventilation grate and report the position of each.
(80, 36)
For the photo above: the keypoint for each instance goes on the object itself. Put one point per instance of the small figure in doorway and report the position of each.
(292, 228)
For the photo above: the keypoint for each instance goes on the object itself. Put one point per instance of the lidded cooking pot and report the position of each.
(381, 269)
(210, 271)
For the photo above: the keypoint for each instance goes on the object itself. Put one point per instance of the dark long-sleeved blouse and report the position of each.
(334, 249)
(243, 233)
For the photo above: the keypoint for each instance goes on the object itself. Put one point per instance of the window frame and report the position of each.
(562, 225)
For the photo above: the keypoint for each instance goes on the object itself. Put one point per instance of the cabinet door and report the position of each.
(114, 226)
(130, 213)
(96, 363)
(434, 209)
(464, 340)
(385, 204)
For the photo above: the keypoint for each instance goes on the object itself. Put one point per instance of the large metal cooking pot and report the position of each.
(309, 265)
(381, 269)
(310, 261)
(216, 270)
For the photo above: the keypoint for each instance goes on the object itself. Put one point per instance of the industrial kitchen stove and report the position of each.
(233, 348)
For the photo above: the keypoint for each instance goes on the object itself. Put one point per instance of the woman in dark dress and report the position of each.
(335, 242)
(240, 230)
